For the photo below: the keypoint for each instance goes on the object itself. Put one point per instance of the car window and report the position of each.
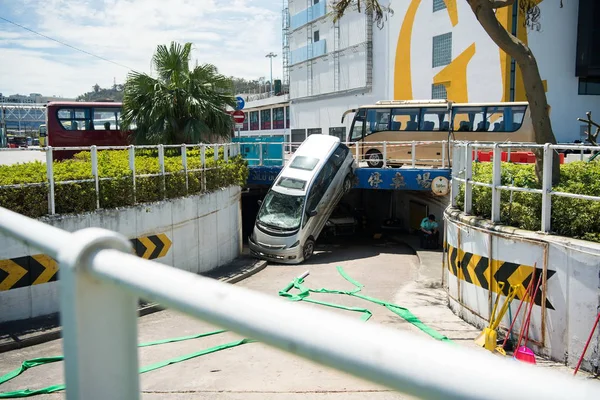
(291, 183)
(305, 163)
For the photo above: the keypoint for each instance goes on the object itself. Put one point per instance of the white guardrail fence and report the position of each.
(229, 150)
(101, 281)
(383, 152)
(462, 172)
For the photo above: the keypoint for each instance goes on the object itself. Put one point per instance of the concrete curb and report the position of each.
(51, 335)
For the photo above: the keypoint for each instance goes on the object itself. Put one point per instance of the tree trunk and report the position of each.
(532, 80)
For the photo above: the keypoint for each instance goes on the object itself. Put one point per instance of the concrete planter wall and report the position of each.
(482, 254)
(196, 234)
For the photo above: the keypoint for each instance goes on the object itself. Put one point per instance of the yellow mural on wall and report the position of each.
(452, 11)
(454, 76)
(402, 70)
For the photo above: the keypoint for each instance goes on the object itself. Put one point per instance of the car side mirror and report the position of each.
(312, 213)
(259, 202)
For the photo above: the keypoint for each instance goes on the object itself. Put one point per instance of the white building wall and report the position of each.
(478, 79)
(557, 66)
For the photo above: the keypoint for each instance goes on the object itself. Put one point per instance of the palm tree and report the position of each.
(180, 105)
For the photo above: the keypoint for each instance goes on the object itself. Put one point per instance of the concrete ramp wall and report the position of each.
(196, 234)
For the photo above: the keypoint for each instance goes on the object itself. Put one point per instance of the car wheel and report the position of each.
(374, 159)
(348, 183)
(308, 249)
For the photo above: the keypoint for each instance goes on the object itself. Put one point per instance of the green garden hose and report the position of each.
(303, 295)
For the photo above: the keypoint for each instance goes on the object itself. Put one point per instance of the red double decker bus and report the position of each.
(77, 124)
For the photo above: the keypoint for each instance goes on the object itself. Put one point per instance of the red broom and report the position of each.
(524, 353)
(529, 289)
(587, 344)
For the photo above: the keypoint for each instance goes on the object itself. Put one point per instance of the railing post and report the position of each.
(443, 154)
(161, 165)
(496, 181)
(94, 154)
(547, 189)
(260, 153)
(185, 167)
(50, 177)
(203, 166)
(468, 176)
(216, 152)
(412, 153)
(99, 323)
(226, 152)
(356, 150)
(384, 154)
(283, 154)
(455, 171)
(132, 169)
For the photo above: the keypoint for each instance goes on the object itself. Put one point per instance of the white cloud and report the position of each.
(233, 35)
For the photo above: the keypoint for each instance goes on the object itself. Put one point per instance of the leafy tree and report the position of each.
(181, 105)
(484, 11)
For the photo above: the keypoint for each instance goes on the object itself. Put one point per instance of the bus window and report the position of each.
(377, 120)
(434, 119)
(404, 119)
(357, 129)
(505, 119)
(107, 118)
(469, 119)
(74, 119)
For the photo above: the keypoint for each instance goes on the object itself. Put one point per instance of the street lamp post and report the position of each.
(271, 55)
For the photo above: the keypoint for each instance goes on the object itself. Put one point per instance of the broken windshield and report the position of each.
(281, 211)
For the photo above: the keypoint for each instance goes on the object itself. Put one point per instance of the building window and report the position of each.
(278, 118)
(313, 131)
(316, 36)
(265, 119)
(316, 2)
(298, 136)
(438, 5)
(439, 92)
(589, 86)
(442, 49)
(254, 121)
(287, 117)
(339, 132)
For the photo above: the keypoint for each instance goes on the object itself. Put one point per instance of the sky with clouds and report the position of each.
(234, 35)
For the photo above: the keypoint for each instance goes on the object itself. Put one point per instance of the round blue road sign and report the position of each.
(240, 103)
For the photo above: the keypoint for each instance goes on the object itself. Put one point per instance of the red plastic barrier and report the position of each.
(521, 157)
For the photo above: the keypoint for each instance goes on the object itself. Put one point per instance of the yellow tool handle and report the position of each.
(492, 320)
(511, 295)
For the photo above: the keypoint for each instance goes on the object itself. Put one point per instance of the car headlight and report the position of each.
(253, 236)
(294, 245)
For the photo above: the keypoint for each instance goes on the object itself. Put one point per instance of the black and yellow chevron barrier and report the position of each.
(37, 269)
(475, 269)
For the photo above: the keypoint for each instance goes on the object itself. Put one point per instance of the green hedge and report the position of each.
(574, 218)
(118, 192)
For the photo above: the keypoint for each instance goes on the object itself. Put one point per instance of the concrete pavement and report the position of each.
(388, 271)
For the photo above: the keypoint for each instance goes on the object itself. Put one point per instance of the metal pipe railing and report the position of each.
(100, 278)
(229, 150)
(464, 166)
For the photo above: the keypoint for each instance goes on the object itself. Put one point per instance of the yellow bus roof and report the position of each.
(437, 103)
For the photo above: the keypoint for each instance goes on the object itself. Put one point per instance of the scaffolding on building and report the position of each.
(309, 48)
(285, 21)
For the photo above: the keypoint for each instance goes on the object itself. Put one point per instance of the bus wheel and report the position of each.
(308, 249)
(374, 159)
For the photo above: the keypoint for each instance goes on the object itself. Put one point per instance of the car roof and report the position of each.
(316, 146)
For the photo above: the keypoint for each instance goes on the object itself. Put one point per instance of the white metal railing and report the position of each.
(101, 280)
(229, 150)
(462, 172)
(385, 153)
